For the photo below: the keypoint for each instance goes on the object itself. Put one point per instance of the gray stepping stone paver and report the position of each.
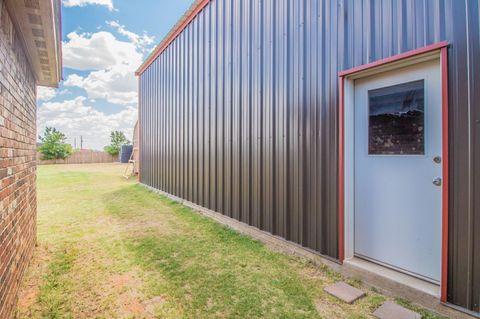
(345, 292)
(390, 310)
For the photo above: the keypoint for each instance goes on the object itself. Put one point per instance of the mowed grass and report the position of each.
(110, 248)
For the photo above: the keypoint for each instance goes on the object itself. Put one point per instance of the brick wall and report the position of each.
(17, 163)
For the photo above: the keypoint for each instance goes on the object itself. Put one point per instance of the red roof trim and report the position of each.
(183, 23)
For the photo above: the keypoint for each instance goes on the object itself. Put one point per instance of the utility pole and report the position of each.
(81, 143)
(75, 143)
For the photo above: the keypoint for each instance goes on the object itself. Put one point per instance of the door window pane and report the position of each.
(397, 120)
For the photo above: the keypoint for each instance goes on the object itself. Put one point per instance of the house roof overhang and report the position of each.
(39, 25)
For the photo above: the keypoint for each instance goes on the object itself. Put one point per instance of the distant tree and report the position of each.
(117, 139)
(53, 145)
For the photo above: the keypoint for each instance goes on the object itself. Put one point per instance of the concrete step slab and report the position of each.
(345, 292)
(390, 310)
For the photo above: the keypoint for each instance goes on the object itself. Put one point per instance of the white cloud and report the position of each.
(45, 93)
(75, 119)
(113, 63)
(100, 50)
(141, 41)
(114, 86)
(82, 3)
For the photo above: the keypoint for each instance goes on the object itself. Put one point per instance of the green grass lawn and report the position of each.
(109, 248)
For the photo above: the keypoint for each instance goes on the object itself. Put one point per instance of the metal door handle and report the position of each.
(437, 181)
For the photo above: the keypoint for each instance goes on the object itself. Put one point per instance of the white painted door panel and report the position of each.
(397, 206)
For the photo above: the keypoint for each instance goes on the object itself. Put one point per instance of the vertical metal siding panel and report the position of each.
(185, 127)
(206, 87)
(321, 96)
(175, 112)
(163, 123)
(267, 162)
(293, 152)
(236, 117)
(147, 125)
(195, 106)
(165, 120)
(150, 175)
(202, 108)
(474, 72)
(159, 129)
(419, 23)
(228, 106)
(178, 114)
(166, 102)
(387, 28)
(310, 136)
(280, 107)
(463, 265)
(221, 105)
(155, 96)
(290, 218)
(459, 288)
(154, 123)
(154, 133)
(190, 113)
(171, 112)
(330, 226)
(213, 192)
(163, 114)
(158, 123)
(302, 134)
(168, 114)
(155, 117)
(206, 119)
(179, 107)
(150, 121)
(256, 114)
(245, 112)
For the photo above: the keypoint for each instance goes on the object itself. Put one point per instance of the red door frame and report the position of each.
(443, 48)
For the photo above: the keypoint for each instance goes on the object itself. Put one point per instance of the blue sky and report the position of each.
(104, 42)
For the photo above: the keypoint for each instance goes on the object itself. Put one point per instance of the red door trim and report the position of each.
(445, 171)
(442, 46)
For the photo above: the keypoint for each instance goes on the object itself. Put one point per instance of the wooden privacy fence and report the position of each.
(81, 157)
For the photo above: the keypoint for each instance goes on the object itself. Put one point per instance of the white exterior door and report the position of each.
(398, 169)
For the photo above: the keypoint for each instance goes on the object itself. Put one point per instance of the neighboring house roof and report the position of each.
(184, 21)
(39, 25)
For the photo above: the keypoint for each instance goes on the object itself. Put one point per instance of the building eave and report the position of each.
(39, 25)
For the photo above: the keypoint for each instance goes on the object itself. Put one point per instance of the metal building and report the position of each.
(349, 127)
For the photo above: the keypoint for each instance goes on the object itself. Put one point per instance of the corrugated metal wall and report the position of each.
(239, 113)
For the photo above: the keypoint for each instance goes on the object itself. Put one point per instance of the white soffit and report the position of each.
(38, 22)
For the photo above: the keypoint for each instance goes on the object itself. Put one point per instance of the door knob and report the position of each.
(437, 181)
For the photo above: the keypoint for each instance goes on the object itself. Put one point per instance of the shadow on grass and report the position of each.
(207, 268)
